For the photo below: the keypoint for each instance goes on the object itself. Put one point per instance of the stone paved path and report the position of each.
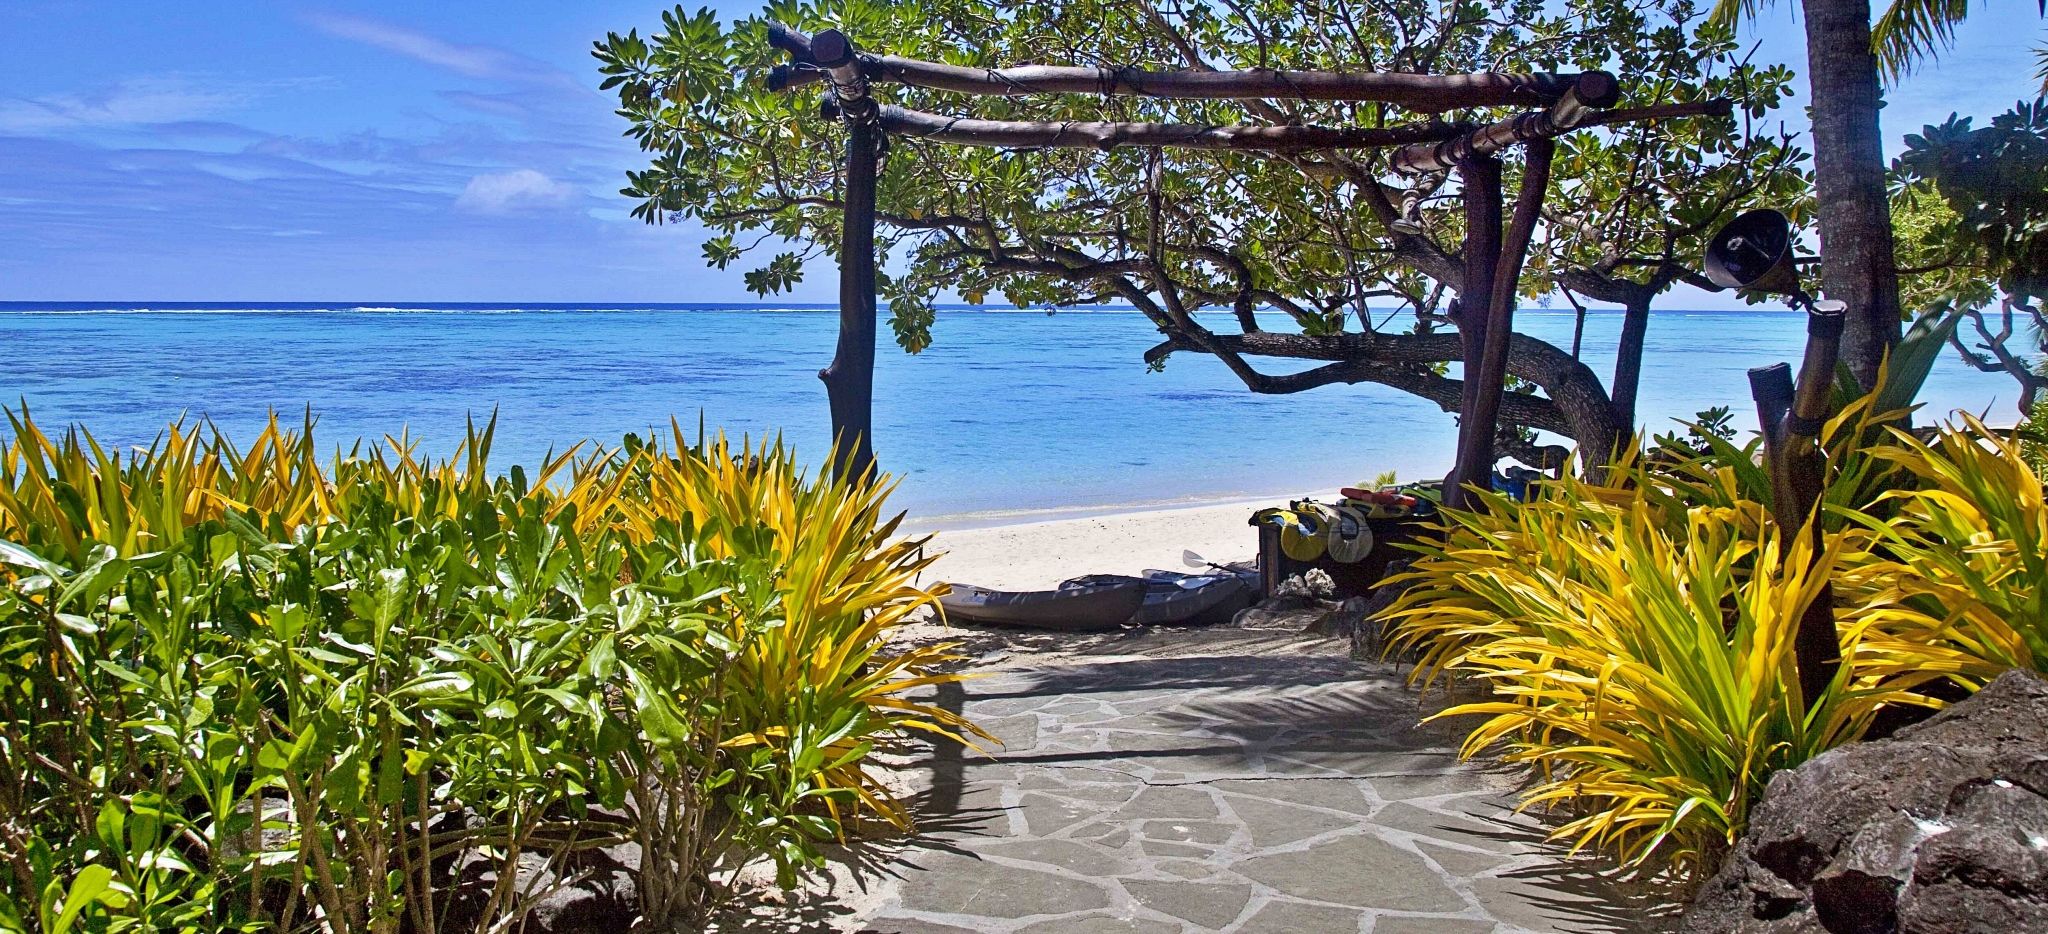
(1277, 791)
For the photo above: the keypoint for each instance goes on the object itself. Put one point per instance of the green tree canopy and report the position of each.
(1356, 259)
(1972, 204)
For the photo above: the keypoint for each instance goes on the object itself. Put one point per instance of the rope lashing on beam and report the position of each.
(1592, 91)
(1418, 92)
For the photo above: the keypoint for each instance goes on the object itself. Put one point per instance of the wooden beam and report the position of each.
(1422, 159)
(1593, 90)
(1018, 134)
(1422, 93)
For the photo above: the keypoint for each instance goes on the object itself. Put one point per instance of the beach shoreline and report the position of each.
(977, 520)
(1038, 554)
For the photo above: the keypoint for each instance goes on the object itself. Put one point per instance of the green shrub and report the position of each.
(1636, 632)
(1965, 557)
(254, 689)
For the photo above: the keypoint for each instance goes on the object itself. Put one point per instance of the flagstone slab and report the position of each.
(1270, 789)
(1376, 874)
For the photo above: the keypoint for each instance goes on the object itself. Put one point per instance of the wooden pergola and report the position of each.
(1555, 104)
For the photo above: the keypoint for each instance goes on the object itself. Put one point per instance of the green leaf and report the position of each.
(87, 887)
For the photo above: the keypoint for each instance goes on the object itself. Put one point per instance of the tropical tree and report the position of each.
(1973, 222)
(1643, 201)
(1315, 255)
(1846, 58)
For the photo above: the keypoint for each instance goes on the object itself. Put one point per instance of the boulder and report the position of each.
(1942, 828)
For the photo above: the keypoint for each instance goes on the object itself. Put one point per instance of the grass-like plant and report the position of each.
(1636, 633)
(1646, 673)
(377, 692)
(1965, 559)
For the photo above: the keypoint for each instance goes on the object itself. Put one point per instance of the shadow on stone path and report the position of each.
(1280, 790)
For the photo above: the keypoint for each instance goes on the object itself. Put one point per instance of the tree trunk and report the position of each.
(850, 379)
(1476, 447)
(1857, 266)
(1482, 197)
(1628, 360)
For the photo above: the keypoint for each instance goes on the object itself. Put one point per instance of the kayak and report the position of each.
(1172, 598)
(1105, 605)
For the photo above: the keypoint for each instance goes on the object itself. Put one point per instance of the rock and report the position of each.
(602, 897)
(599, 895)
(1341, 622)
(1942, 828)
(1286, 613)
(1369, 639)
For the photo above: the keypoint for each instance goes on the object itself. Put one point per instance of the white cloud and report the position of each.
(505, 192)
(476, 61)
(134, 102)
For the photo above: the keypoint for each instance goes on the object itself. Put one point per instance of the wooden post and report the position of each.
(850, 377)
(1792, 419)
(1482, 415)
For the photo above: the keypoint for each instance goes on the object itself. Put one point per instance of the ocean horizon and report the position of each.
(1012, 414)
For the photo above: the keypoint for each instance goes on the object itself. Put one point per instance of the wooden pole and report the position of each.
(1818, 645)
(1479, 422)
(1091, 134)
(1792, 419)
(1417, 92)
(1481, 193)
(850, 377)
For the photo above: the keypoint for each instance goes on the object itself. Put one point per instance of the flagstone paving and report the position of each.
(1282, 790)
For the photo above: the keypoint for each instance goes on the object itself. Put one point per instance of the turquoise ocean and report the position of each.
(1009, 415)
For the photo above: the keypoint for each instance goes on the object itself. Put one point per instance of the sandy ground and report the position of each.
(1038, 555)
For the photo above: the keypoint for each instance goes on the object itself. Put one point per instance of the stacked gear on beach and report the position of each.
(1302, 528)
(1387, 503)
(1309, 530)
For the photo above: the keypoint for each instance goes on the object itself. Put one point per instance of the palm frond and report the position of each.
(1728, 13)
(1912, 30)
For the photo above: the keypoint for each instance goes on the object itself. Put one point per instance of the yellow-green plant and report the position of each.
(845, 578)
(1635, 632)
(1965, 561)
(1649, 677)
(266, 687)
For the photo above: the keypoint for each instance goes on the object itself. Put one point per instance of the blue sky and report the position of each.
(252, 150)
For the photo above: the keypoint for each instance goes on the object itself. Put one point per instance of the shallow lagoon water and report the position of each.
(1008, 413)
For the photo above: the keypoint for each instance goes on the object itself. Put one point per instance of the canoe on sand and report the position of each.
(1175, 599)
(1090, 607)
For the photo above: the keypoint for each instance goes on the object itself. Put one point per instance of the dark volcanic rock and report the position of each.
(1943, 828)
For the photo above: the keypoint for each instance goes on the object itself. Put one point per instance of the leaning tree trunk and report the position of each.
(1482, 196)
(1628, 360)
(850, 378)
(1857, 265)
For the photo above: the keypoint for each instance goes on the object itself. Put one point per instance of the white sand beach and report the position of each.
(1038, 555)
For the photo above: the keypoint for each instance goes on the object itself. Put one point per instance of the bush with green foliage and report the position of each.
(1965, 554)
(1636, 633)
(252, 689)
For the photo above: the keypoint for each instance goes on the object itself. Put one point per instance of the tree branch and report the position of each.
(1419, 92)
(1075, 134)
